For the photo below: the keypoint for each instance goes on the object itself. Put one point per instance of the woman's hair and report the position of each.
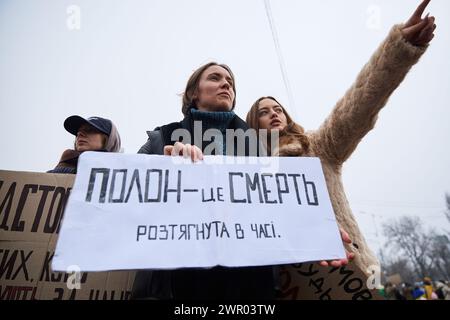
(113, 142)
(192, 86)
(290, 134)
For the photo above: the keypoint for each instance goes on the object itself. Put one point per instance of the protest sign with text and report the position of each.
(31, 208)
(130, 211)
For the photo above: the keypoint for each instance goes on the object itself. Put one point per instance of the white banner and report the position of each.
(134, 211)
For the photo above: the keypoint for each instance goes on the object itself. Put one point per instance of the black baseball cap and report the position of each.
(73, 123)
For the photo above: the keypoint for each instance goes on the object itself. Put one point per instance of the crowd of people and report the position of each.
(422, 290)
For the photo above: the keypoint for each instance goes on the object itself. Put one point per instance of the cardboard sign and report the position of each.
(309, 281)
(31, 210)
(130, 211)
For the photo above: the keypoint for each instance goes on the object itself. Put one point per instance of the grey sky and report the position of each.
(131, 59)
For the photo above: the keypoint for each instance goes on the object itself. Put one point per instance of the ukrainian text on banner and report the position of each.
(31, 208)
(140, 211)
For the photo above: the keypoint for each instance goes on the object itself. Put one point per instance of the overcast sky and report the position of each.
(130, 60)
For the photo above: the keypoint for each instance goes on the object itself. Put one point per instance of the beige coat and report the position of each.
(351, 119)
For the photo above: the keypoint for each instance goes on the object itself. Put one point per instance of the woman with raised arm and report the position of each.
(352, 117)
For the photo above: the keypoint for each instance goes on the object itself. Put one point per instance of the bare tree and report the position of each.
(440, 251)
(401, 266)
(408, 238)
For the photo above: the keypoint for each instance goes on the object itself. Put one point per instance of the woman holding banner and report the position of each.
(91, 134)
(209, 98)
(351, 119)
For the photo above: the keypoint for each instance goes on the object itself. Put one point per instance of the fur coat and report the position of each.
(351, 119)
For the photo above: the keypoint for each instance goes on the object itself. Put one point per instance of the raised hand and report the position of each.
(418, 31)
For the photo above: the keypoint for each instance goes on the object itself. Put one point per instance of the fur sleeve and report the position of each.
(355, 114)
